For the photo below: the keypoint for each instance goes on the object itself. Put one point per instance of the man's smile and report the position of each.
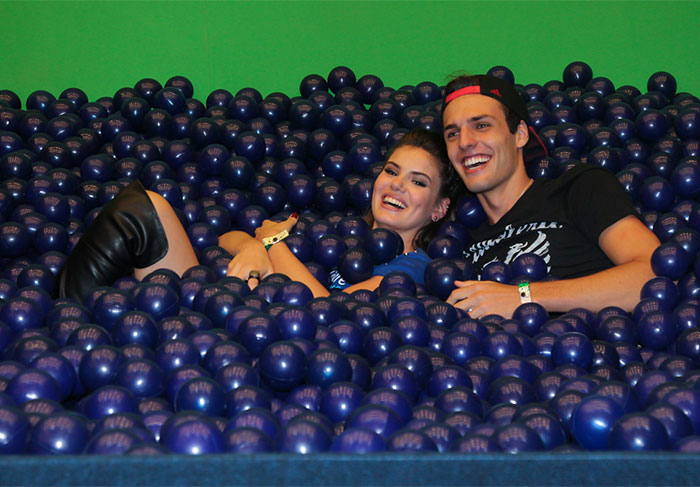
(471, 162)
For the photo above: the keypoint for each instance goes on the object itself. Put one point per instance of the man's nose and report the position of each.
(466, 139)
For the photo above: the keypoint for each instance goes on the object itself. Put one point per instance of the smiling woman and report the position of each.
(411, 196)
(418, 170)
(406, 195)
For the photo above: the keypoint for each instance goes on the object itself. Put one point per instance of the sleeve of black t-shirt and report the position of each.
(596, 200)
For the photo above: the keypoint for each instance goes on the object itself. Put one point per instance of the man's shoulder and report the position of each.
(585, 171)
(579, 174)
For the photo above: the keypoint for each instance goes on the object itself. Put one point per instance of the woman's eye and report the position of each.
(419, 183)
(391, 172)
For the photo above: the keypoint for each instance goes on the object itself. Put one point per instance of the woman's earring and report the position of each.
(435, 218)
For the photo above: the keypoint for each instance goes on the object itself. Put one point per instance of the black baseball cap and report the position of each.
(504, 92)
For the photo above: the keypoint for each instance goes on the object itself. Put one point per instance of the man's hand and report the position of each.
(481, 298)
(268, 228)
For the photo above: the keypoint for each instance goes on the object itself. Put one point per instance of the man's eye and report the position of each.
(482, 125)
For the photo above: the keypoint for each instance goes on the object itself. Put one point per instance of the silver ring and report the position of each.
(254, 275)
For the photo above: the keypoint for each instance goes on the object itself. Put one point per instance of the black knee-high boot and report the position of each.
(127, 234)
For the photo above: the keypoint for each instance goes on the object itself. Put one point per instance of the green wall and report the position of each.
(101, 46)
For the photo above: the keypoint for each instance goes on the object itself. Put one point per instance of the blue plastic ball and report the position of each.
(14, 429)
(257, 332)
(110, 400)
(673, 419)
(383, 245)
(657, 330)
(380, 342)
(303, 437)
(662, 288)
(326, 367)
(201, 394)
(459, 398)
(499, 344)
(687, 400)
(670, 260)
(574, 348)
(356, 265)
(194, 437)
(517, 438)
(529, 265)
(358, 440)
(592, 421)
(142, 377)
(380, 419)
(60, 433)
(99, 366)
(175, 353)
(14, 239)
(283, 365)
(440, 277)
(657, 194)
(247, 440)
(638, 432)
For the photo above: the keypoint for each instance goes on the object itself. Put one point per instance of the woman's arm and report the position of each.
(249, 255)
(285, 262)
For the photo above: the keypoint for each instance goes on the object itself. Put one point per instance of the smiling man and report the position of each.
(582, 223)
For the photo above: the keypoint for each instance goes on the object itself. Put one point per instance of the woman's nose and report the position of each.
(397, 183)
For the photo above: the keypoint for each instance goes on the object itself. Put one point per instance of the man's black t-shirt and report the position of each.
(559, 219)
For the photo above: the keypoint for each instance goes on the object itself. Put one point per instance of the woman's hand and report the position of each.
(481, 298)
(252, 256)
(268, 228)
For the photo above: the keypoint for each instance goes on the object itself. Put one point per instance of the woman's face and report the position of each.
(406, 193)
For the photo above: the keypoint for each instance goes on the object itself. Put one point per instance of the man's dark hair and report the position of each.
(463, 81)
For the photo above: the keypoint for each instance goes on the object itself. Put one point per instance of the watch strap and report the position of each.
(270, 241)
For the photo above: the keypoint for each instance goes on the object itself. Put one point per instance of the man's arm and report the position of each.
(627, 243)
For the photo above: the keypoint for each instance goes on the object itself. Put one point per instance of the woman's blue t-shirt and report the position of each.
(412, 263)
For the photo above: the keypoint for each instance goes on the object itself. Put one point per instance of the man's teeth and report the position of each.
(475, 160)
(394, 202)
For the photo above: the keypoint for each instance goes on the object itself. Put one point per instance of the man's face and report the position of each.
(481, 147)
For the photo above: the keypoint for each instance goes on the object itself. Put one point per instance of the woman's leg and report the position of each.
(180, 255)
(127, 234)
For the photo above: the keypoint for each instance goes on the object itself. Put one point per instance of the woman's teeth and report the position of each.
(394, 202)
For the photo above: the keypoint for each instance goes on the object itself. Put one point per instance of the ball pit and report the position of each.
(202, 365)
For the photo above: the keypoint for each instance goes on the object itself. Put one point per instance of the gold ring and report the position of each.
(254, 275)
